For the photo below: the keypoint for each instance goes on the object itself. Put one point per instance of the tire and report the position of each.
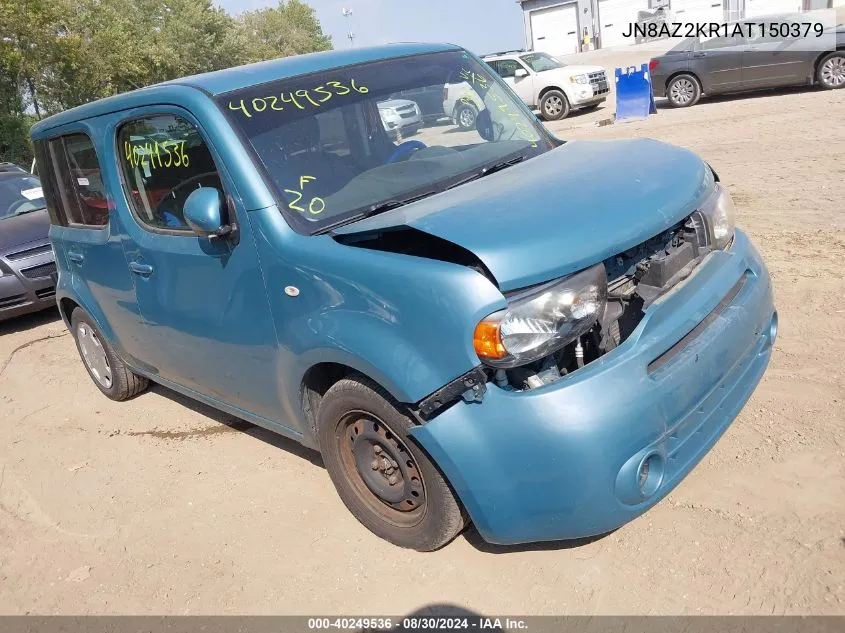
(683, 91)
(365, 445)
(831, 71)
(465, 116)
(554, 106)
(109, 373)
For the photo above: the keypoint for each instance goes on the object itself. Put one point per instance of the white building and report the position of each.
(558, 26)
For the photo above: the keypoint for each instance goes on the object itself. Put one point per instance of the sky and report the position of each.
(482, 26)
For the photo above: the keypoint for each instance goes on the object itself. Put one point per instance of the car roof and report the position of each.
(238, 77)
(505, 54)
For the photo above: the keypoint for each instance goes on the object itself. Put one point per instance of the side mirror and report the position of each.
(519, 73)
(203, 212)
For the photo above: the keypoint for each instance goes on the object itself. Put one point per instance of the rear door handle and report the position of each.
(76, 258)
(699, 54)
(141, 269)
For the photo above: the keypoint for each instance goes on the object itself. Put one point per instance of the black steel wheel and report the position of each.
(386, 480)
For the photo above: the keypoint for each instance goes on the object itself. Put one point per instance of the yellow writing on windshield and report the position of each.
(475, 78)
(302, 99)
(156, 155)
(315, 206)
(522, 129)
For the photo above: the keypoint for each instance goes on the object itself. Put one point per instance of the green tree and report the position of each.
(57, 54)
(292, 28)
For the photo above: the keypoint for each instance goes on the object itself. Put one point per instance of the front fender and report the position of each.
(404, 321)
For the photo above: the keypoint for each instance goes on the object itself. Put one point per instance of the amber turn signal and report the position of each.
(487, 340)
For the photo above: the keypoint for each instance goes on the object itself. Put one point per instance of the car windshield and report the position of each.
(541, 61)
(20, 194)
(354, 141)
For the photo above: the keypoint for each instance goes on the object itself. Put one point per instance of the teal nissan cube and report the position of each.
(485, 325)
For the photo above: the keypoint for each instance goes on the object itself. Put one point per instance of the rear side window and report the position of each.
(81, 195)
(507, 67)
(164, 159)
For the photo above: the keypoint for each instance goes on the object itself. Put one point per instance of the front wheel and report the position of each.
(831, 71)
(387, 482)
(683, 91)
(554, 105)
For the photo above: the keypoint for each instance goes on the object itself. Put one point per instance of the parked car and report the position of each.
(10, 167)
(549, 85)
(733, 64)
(400, 117)
(539, 337)
(27, 266)
(429, 99)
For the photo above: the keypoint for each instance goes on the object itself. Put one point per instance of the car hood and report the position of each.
(22, 229)
(562, 211)
(395, 103)
(567, 71)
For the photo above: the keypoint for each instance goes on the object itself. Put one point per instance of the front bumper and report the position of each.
(397, 123)
(586, 97)
(26, 285)
(563, 461)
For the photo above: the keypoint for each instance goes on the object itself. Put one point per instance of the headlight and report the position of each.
(542, 320)
(718, 212)
(578, 79)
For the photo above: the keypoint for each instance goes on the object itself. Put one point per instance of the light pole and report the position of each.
(347, 13)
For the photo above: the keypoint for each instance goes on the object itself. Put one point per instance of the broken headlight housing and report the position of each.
(541, 320)
(719, 213)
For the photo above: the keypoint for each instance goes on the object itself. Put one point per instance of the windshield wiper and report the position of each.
(375, 209)
(489, 169)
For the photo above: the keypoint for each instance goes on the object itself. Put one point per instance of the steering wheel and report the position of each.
(404, 148)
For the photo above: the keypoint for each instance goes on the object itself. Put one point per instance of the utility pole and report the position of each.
(347, 13)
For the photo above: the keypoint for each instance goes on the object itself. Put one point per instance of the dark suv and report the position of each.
(27, 266)
(759, 58)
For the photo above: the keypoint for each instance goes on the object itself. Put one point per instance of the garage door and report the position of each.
(699, 11)
(616, 17)
(757, 8)
(555, 30)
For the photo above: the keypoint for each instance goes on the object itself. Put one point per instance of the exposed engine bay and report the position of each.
(636, 278)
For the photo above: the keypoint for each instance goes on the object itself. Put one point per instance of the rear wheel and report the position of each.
(109, 373)
(683, 91)
(831, 71)
(465, 117)
(387, 482)
(554, 105)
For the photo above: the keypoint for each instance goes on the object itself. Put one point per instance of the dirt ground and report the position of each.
(161, 505)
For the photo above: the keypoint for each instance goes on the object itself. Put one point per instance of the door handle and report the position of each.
(76, 258)
(138, 268)
(699, 54)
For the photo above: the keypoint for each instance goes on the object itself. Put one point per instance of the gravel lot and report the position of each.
(161, 505)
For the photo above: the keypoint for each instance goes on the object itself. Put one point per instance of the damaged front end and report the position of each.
(568, 323)
(635, 279)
